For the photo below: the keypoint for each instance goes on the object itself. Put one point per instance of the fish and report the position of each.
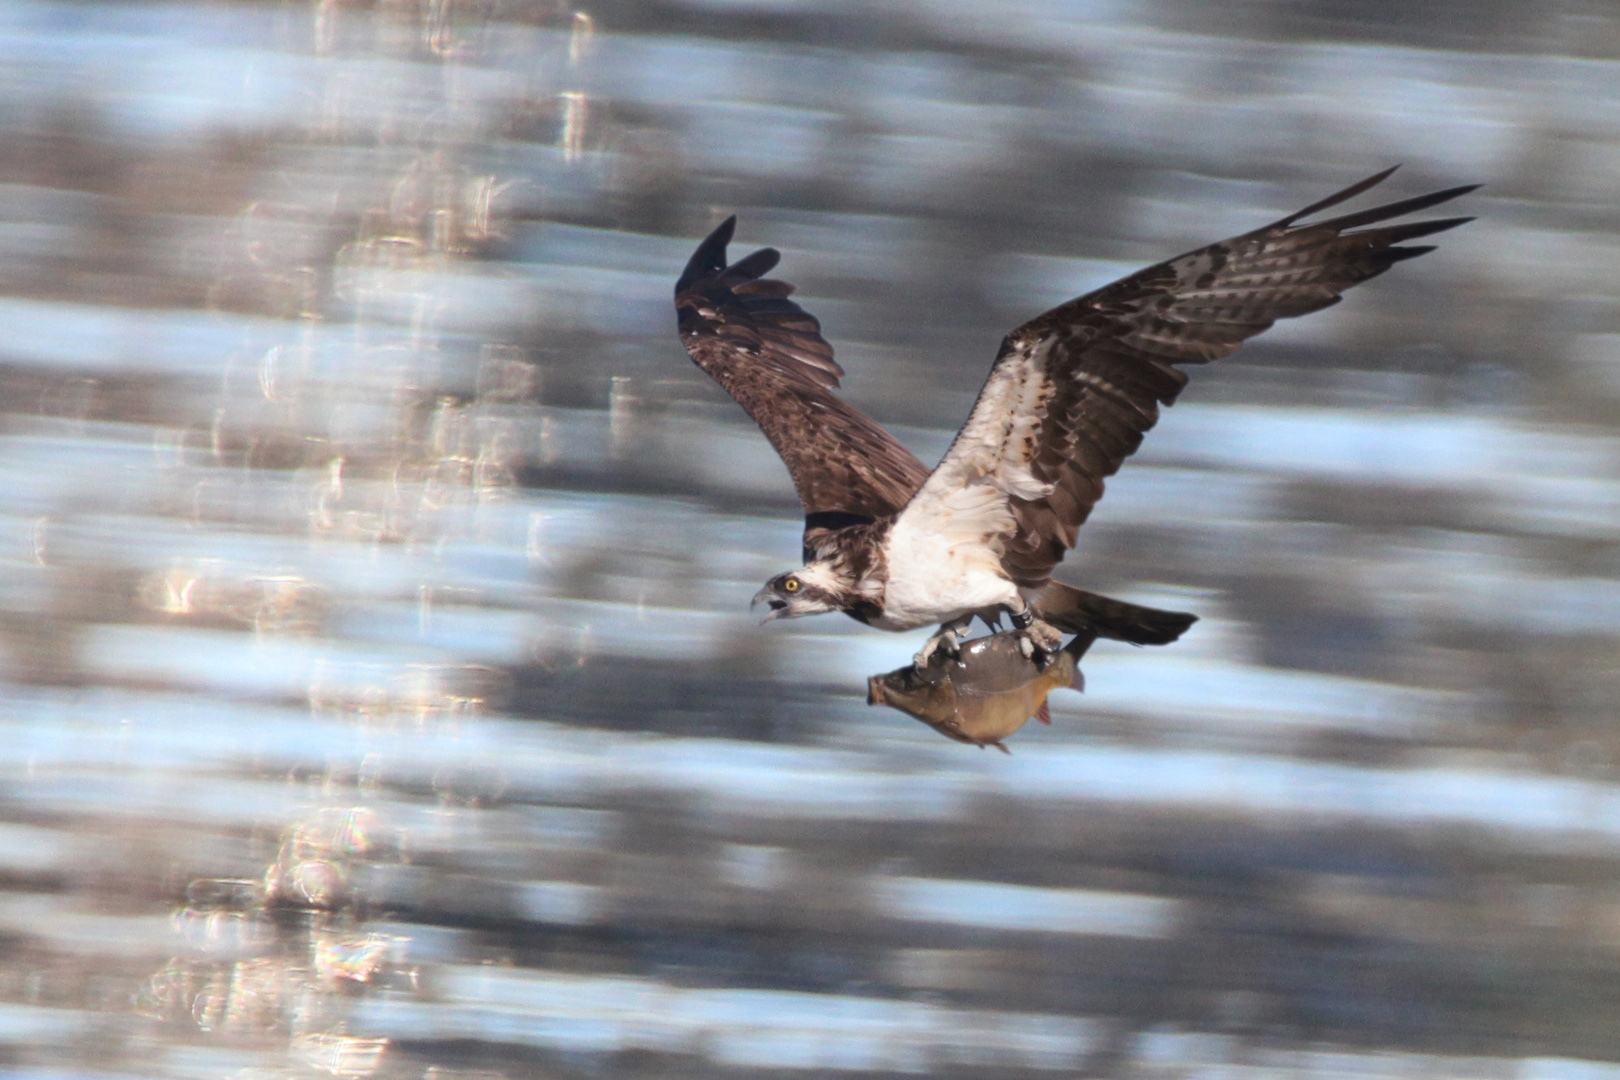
(984, 694)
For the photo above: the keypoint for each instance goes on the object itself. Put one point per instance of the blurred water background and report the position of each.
(381, 697)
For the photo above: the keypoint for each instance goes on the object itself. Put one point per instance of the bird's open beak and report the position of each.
(764, 596)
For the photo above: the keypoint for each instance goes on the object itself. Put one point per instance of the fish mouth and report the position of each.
(874, 691)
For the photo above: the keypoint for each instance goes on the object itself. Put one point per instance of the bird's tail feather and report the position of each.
(1076, 648)
(1075, 611)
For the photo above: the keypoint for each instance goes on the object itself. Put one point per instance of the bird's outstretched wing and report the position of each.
(1073, 391)
(768, 354)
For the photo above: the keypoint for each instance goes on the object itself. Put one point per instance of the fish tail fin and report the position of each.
(1075, 610)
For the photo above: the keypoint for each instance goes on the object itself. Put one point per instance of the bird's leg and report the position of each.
(944, 640)
(1037, 640)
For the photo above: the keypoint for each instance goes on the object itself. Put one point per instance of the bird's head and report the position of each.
(808, 591)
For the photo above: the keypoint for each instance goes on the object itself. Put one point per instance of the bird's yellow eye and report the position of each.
(790, 585)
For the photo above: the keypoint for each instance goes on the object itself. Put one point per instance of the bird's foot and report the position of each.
(944, 643)
(1037, 640)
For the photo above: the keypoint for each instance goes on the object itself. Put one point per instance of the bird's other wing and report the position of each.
(1073, 391)
(768, 354)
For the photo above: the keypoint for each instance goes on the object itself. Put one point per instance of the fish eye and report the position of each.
(791, 585)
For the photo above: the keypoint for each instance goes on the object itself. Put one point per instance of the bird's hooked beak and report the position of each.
(766, 596)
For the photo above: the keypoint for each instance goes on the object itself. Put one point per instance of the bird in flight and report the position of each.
(898, 546)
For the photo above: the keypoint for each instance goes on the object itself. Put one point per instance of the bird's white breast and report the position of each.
(936, 576)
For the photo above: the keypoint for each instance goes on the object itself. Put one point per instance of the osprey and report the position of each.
(1070, 395)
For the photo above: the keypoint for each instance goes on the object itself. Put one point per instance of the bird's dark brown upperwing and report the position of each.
(1095, 370)
(768, 354)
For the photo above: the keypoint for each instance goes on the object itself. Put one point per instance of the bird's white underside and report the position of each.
(944, 552)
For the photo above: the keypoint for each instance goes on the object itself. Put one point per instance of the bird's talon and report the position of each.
(1039, 641)
(943, 643)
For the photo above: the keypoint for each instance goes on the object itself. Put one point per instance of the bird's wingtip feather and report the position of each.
(1338, 197)
(710, 256)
